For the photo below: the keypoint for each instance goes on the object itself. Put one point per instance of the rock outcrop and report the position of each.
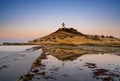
(66, 35)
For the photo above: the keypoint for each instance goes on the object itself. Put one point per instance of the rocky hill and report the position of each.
(66, 35)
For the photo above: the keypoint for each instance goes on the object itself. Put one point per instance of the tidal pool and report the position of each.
(15, 61)
(58, 64)
(72, 65)
(77, 70)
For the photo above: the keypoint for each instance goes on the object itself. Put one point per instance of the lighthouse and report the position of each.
(63, 25)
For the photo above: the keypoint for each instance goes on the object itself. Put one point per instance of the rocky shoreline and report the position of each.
(70, 53)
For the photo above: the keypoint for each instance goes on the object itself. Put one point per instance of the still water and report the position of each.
(81, 69)
(15, 61)
(58, 65)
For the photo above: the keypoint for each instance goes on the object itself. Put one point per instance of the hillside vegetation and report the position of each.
(72, 36)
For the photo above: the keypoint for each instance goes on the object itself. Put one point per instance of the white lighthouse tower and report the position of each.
(63, 25)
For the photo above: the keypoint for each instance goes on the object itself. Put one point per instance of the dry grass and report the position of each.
(75, 37)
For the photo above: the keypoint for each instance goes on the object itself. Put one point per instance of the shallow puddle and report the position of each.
(81, 69)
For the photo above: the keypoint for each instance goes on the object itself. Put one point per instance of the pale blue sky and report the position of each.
(22, 20)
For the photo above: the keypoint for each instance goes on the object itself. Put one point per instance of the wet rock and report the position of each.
(106, 79)
(28, 76)
(91, 65)
(3, 67)
(99, 72)
(42, 73)
(35, 71)
(105, 75)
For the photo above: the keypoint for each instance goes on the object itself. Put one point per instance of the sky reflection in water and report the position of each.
(53, 66)
(58, 64)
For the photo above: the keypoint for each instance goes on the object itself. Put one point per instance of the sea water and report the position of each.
(15, 61)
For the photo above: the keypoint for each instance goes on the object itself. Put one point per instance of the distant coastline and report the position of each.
(8, 43)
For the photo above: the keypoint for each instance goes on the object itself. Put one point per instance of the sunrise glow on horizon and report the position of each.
(22, 20)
